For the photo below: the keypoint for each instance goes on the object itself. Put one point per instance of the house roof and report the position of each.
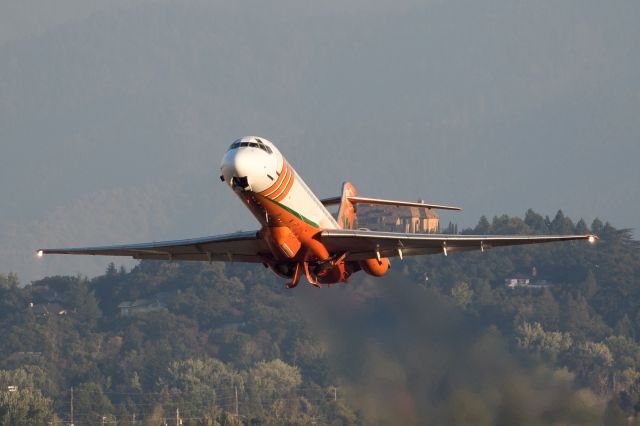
(158, 298)
(48, 308)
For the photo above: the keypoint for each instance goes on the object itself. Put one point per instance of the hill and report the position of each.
(441, 340)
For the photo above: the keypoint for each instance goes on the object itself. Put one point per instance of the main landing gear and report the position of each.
(295, 279)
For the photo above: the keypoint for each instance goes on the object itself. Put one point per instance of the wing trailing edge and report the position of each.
(364, 244)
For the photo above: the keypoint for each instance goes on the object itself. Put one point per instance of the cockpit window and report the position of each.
(259, 145)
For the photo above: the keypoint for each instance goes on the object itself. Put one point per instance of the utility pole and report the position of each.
(236, 404)
(177, 416)
(335, 394)
(71, 407)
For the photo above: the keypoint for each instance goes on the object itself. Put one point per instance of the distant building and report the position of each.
(517, 280)
(525, 280)
(46, 309)
(142, 306)
(397, 218)
(17, 357)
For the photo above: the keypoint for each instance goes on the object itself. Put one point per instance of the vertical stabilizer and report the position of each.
(347, 212)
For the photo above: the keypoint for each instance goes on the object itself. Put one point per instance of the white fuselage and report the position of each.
(253, 165)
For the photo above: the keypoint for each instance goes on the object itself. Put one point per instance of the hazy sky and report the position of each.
(114, 115)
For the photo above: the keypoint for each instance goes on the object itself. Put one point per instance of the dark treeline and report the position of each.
(441, 340)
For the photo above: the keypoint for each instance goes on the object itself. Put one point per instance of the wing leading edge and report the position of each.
(238, 246)
(362, 244)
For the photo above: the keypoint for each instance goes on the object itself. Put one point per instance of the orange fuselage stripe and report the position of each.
(278, 182)
(286, 173)
(287, 188)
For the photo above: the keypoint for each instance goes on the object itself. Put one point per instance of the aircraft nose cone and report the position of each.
(237, 168)
(244, 163)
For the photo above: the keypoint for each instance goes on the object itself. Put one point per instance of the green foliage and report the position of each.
(10, 281)
(25, 407)
(462, 294)
(460, 348)
(203, 385)
(91, 403)
(534, 339)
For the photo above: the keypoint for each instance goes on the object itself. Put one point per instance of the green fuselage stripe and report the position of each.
(295, 213)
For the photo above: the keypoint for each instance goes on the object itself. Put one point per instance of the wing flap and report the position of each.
(239, 246)
(362, 244)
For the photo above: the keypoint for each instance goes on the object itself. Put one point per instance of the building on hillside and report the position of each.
(141, 306)
(520, 280)
(397, 218)
(20, 357)
(46, 309)
(517, 280)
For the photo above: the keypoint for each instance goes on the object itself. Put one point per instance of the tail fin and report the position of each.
(347, 212)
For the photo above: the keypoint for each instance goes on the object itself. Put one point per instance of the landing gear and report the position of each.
(329, 271)
(296, 277)
(310, 277)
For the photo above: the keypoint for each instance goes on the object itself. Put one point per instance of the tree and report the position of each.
(547, 310)
(462, 294)
(203, 385)
(581, 227)
(589, 286)
(91, 403)
(29, 376)
(535, 222)
(536, 340)
(9, 281)
(577, 318)
(271, 382)
(596, 226)
(483, 226)
(25, 407)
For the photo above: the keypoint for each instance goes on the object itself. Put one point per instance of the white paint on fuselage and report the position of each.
(260, 162)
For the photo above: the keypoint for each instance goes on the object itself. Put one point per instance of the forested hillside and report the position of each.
(528, 335)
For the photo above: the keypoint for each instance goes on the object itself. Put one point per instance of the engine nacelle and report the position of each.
(375, 268)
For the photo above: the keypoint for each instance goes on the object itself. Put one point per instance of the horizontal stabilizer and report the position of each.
(365, 200)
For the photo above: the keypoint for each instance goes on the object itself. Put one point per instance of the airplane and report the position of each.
(298, 236)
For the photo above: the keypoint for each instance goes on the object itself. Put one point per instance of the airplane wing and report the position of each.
(239, 246)
(363, 244)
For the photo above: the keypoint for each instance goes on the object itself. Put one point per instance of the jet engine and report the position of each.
(375, 268)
